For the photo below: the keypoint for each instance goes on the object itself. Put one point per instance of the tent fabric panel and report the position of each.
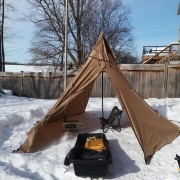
(72, 105)
(80, 88)
(43, 137)
(74, 99)
(86, 76)
(151, 130)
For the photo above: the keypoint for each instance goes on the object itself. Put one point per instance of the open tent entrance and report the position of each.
(152, 130)
(102, 88)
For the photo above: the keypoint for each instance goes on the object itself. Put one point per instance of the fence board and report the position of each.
(147, 80)
(173, 85)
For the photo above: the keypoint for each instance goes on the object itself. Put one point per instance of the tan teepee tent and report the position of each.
(151, 130)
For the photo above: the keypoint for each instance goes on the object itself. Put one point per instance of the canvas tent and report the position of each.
(151, 129)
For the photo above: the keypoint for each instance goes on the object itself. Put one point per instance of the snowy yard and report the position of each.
(18, 114)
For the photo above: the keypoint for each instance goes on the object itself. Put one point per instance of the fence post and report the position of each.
(50, 86)
(166, 79)
(39, 89)
(22, 83)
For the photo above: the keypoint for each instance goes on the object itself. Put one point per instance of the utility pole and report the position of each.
(66, 45)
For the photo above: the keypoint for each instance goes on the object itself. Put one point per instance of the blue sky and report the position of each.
(155, 22)
(16, 47)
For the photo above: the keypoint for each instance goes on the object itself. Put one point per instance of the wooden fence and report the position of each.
(149, 80)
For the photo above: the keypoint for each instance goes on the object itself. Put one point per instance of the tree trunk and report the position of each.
(1, 61)
(2, 41)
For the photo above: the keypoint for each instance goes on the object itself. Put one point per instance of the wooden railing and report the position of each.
(170, 53)
(171, 57)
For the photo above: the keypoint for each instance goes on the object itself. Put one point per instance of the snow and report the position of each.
(18, 114)
(28, 68)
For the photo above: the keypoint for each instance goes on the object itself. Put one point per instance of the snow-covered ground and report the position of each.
(27, 68)
(18, 114)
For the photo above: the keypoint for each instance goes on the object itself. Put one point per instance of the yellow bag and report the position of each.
(95, 144)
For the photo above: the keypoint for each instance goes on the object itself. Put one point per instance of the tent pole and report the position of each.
(102, 96)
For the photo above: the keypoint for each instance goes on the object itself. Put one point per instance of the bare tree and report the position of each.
(112, 18)
(2, 55)
(5, 6)
(48, 42)
(86, 20)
